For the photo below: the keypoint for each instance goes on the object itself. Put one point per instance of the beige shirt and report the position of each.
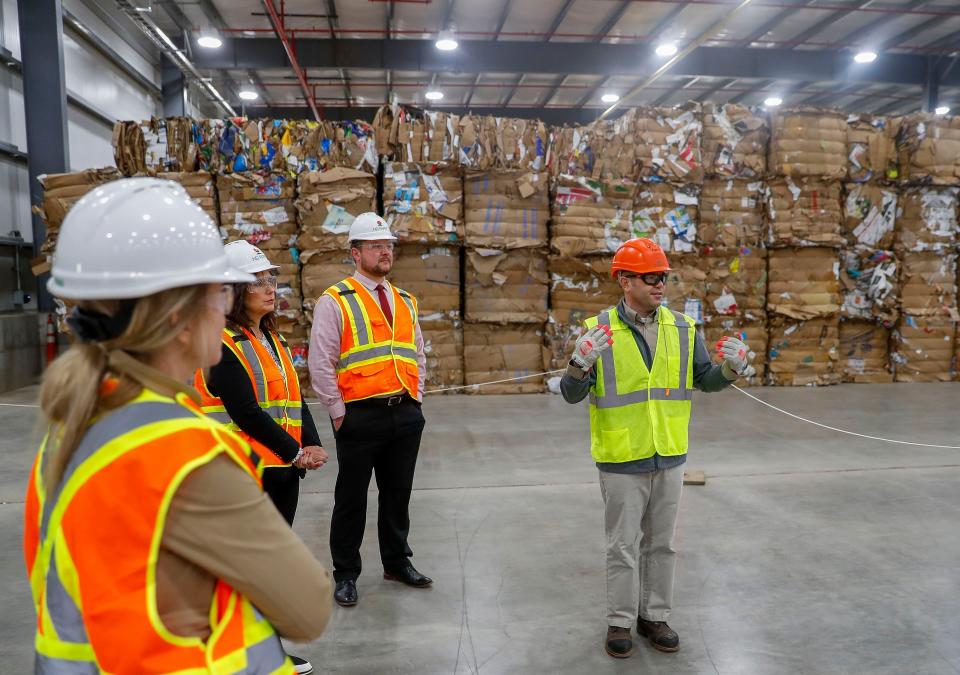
(222, 526)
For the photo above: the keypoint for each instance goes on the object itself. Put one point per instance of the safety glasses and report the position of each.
(650, 278)
(263, 283)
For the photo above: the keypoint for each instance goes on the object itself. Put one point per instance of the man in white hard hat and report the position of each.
(367, 365)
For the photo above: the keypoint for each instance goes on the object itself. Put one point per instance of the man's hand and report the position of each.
(590, 346)
(734, 351)
(338, 422)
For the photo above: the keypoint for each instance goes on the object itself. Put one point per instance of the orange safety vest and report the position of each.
(277, 395)
(91, 550)
(376, 359)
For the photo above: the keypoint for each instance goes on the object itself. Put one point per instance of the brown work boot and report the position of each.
(662, 636)
(619, 643)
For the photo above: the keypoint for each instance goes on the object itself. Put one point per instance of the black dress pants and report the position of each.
(384, 439)
(282, 485)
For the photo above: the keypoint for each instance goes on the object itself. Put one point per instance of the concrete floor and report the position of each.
(806, 552)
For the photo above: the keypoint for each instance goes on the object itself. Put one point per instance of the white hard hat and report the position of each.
(246, 257)
(369, 227)
(134, 237)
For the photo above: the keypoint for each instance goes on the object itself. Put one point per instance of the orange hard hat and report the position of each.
(639, 256)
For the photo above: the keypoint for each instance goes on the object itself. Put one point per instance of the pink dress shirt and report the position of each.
(325, 348)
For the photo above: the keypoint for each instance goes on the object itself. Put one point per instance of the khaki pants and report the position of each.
(640, 512)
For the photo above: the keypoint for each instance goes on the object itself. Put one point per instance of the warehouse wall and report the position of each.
(92, 78)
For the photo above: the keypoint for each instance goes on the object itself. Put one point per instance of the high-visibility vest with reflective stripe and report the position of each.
(278, 397)
(92, 545)
(635, 411)
(376, 359)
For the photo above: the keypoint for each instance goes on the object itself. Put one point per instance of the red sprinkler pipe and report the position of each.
(288, 47)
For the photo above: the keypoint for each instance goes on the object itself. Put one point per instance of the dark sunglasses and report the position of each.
(650, 278)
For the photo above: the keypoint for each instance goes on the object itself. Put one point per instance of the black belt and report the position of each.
(383, 401)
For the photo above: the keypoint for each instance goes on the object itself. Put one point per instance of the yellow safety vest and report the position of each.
(635, 411)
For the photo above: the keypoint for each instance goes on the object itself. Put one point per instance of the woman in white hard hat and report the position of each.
(255, 390)
(149, 544)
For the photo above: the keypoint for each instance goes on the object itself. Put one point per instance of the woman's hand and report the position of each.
(313, 457)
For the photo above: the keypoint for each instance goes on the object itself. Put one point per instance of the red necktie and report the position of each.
(384, 304)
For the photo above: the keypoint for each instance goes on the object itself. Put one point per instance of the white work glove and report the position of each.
(734, 353)
(590, 346)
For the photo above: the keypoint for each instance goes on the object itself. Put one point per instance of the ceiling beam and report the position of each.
(773, 22)
(547, 115)
(563, 58)
(554, 25)
(862, 35)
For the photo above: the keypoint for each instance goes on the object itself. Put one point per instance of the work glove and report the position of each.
(590, 346)
(734, 352)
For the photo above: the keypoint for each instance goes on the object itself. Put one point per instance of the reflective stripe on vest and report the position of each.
(375, 358)
(120, 463)
(283, 403)
(640, 411)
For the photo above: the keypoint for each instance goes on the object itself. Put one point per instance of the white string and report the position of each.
(483, 384)
(758, 400)
(843, 431)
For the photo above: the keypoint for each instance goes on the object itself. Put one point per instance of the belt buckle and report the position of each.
(394, 400)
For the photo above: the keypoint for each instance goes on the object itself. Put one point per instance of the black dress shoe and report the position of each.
(346, 593)
(408, 575)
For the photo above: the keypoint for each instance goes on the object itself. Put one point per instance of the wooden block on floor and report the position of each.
(695, 477)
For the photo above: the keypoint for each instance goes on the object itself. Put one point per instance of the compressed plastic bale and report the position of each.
(803, 353)
(735, 285)
(327, 204)
(803, 283)
(870, 283)
(731, 214)
(424, 202)
(668, 142)
(498, 352)
(735, 140)
(928, 282)
(808, 142)
(871, 148)
(590, 217)
(803, 212)
(928, 220)
(865, 352)
(753, 332)
(667, 214)
(923, 349)
(928, 149)
(506, 209)
(506, 286)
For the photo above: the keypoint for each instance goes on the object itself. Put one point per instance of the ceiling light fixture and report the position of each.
(610, 98)
(434, 95)
(942, 109)
(446, 44)
(865, 57)
(772, 101)
(248, 95)
(208, 41)
(666, 49)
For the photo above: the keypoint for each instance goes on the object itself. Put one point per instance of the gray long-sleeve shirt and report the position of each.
(707, 377)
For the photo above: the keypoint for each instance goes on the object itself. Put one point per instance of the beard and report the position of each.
(380, 269)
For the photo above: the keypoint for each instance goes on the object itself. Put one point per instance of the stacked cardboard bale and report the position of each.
(926, 241)
(668, 143)
(869, 270)
(735, 141)
(807, 160)
(668, 214)
(506, 210)
(731, 214)
(928, 148)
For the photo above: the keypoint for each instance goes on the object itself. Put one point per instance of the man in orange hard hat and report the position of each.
(640, 362)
